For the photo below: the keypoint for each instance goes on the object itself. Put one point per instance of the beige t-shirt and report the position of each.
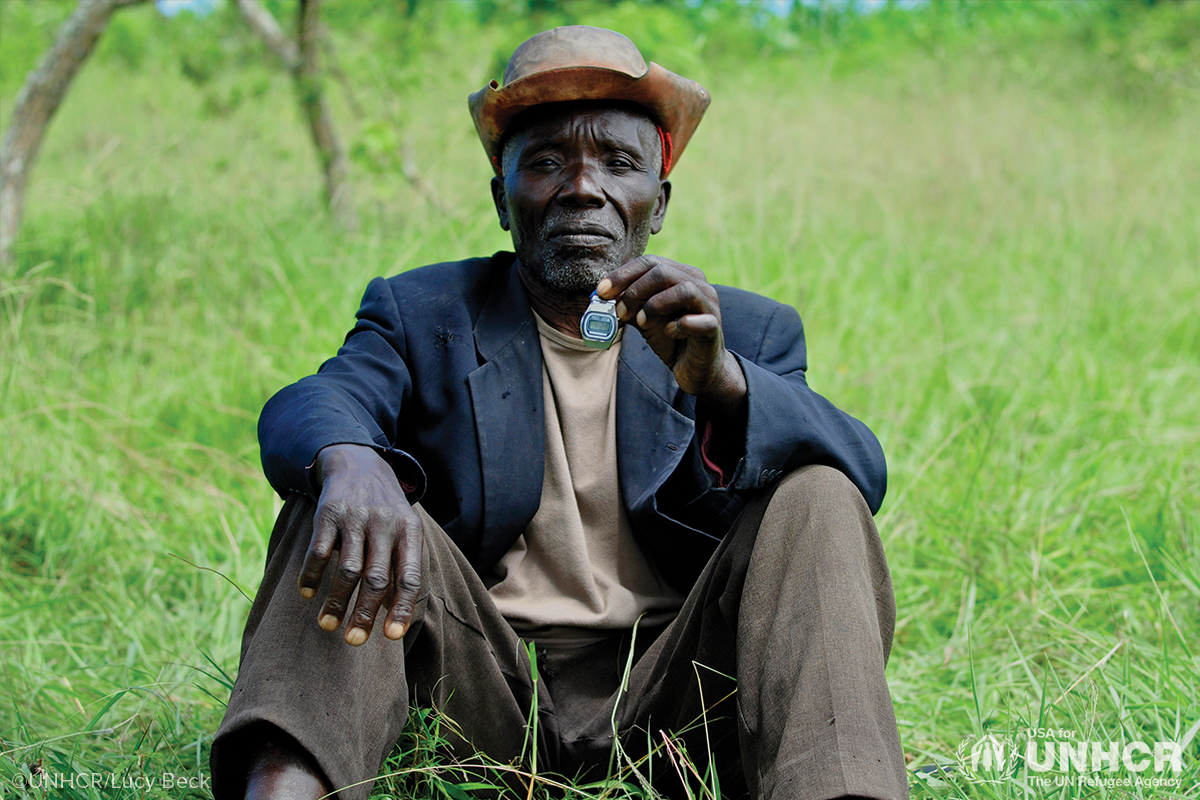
(577, 572)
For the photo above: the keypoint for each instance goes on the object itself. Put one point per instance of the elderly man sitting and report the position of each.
(584, 447)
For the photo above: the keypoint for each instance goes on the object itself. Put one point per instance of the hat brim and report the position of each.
(676, 103)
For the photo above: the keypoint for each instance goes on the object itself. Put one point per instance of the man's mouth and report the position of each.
(580, 234)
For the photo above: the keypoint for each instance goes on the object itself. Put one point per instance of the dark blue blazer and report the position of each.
(442, 375)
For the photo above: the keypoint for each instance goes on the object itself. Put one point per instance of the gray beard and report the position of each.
(566, 277)
(563, 274)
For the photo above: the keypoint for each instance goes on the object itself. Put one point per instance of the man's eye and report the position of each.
(620, 163)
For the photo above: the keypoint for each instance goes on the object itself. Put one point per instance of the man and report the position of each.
(668, 516)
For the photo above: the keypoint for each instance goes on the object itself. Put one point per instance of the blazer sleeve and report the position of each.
(788, 426)
(356, 397)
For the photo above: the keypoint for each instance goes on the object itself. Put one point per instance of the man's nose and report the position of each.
(581, 187)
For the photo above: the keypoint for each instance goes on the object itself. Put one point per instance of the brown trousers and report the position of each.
(796, 604)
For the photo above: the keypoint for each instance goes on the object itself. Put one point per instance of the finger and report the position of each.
(376, 580)
(677, 300)
(615, 282)
(320, 548)
(345, 577)
(694, 326)
(660, 278)
(407, 584)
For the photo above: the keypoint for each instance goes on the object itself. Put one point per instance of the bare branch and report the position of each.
(335, 69)
(300, 59)
(261, 22)
(407, 155)
(320, 121)
(38, 100)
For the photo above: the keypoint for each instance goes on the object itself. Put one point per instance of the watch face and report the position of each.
(598, 326)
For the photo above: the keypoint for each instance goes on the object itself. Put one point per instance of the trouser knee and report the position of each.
(816, 522)
(818, 493)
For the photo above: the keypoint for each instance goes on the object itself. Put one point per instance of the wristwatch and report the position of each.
(598, 326)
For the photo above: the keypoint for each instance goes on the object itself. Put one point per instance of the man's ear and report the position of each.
(501, 201)
(660, 207)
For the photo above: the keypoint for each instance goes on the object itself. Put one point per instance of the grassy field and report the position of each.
(996, 252)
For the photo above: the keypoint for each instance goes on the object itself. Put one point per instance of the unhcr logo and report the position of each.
(1056, 757)
(989, 755)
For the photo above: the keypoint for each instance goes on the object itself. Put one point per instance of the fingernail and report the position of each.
(603, 286)
(356, 636)
(307, 592)
(328, 621)
(621, 308)
(395, 630)
(641, 318)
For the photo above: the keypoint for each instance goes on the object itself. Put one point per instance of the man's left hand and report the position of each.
(679, 315)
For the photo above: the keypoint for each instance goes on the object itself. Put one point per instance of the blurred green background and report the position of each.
(987, 213)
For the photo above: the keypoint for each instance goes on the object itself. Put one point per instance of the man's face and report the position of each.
(581, 193)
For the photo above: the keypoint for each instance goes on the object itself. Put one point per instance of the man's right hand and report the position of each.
(363, 514)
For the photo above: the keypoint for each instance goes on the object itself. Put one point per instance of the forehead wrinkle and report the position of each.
(590, 125)
(586, 130)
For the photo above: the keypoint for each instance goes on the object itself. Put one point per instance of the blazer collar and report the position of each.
(507, 320)
(506, 391)
(506, 314)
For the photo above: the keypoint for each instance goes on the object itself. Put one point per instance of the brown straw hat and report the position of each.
(579, 62)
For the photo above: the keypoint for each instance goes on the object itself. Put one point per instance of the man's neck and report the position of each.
(561, 311)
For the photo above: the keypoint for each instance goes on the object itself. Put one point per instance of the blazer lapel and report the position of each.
(652, 435)
(506, 394)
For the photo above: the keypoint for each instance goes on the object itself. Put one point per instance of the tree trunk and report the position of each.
(37, 101)
(320, 121)
(301, 61)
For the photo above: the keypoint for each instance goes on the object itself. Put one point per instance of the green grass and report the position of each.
(996, 251)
